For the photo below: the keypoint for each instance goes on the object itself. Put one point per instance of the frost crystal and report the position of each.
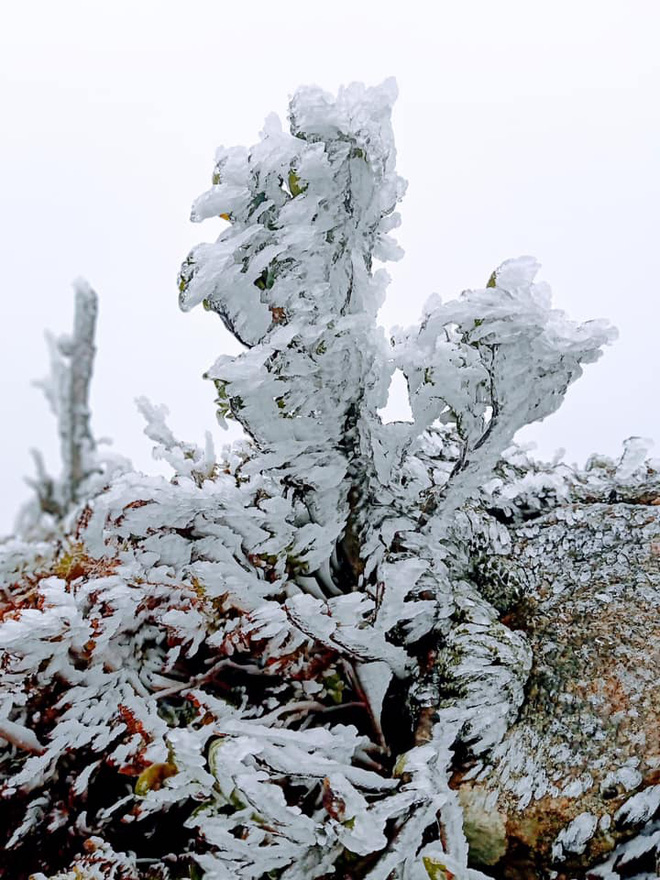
(266, 666)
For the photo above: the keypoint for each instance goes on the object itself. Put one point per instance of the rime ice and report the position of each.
(264, 666)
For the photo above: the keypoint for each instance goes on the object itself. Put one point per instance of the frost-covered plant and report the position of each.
(67, 392)
(84, 469)
(261, 667)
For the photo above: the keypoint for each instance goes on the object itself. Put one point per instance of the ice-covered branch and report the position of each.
(292, 278)
(490, 363)
(67, 391)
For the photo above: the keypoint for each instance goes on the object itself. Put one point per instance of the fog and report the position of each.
(522, 128)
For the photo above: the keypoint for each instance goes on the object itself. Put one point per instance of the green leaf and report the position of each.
(295, 187)
(334, 687)
(436, 870)
(153, 778)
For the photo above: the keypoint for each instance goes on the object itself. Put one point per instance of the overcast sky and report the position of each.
(522, 127)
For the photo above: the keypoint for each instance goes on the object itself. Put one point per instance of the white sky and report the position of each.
(522, 127)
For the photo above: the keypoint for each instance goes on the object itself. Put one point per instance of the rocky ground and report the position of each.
(579, 772)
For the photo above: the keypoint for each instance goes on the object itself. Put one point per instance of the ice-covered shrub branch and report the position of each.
(490, 363)
(67, 392)
(292, 278)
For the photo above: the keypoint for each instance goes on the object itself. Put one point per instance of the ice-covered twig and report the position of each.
(21, 737)
(67, 391)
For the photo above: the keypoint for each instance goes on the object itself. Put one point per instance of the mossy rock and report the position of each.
(551, 797)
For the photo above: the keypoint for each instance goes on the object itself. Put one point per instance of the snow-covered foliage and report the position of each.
(84, 469)
(67, 392)
(262, 667)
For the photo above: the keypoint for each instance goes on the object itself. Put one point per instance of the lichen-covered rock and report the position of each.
(580, 769)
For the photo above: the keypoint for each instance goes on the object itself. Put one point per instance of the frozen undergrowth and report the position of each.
(232, 673)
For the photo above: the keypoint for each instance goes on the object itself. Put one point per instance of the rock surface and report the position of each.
(579, 771)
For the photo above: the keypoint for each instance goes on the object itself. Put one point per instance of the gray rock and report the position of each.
(577, 772)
